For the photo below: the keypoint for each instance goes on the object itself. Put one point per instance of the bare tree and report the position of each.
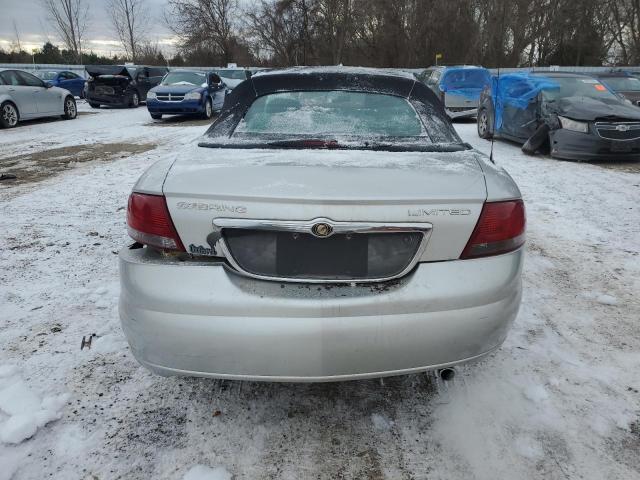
(409, 33)
(17, 45)
(281, 29)
(69, 19)
(204, 25)
(150, 53)
(130, 20)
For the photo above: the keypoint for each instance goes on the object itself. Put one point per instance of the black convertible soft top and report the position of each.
(97, 70)
(396, 83)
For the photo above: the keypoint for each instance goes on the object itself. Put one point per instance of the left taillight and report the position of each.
(149, 222)
(500, 229)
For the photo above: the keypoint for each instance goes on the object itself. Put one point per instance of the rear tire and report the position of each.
(94, 105)
(135, 100)
(484, 123)
(156, 116)
(9, 115)
(208, 109)
(70, 108)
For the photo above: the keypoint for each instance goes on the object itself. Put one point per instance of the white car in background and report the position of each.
(332, 226)
(232, 77)
(24, 96)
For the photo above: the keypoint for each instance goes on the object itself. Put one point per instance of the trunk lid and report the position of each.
(108, 84)
(446, 190)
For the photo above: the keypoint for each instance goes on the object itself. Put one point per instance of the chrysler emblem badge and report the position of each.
(622, 128)
(322, 230)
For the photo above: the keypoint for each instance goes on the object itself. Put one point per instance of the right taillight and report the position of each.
(500, 229)
(149, 222)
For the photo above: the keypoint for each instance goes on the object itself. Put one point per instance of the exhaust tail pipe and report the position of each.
(446, 374)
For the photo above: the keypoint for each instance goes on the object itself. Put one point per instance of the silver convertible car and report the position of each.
(331, 225)
(24, 96)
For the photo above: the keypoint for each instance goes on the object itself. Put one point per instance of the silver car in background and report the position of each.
(457, 87)
(331, 226)
(24, 96)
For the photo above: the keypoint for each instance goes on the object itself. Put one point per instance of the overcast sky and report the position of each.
(35, 28)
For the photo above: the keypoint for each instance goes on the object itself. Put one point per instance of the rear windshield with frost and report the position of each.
(335, 113)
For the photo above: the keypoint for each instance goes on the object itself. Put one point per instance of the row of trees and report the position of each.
(385, 33)
(50, 53)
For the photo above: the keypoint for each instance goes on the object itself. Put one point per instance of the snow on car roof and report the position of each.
(337, 69)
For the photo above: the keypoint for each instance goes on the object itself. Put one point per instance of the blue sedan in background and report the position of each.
(187, 92)
(64, 79)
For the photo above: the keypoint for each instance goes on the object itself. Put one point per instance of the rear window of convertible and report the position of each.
(331, 113)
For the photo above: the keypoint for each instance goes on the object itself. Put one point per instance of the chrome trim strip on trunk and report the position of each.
(306, 226)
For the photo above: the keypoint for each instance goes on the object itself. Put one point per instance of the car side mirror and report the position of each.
(47, 85)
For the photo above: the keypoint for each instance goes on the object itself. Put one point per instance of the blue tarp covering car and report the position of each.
(467, 82)
(517, 90)
(459, 88)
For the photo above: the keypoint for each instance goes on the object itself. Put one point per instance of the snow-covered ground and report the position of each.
(560, 399)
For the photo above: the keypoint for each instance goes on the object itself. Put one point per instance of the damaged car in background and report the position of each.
(569, 115)
(121, 85)
(330, 226)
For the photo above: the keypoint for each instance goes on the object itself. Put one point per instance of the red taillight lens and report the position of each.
(500, 229)
(149, 222)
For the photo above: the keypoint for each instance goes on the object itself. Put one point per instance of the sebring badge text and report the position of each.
(216, 207)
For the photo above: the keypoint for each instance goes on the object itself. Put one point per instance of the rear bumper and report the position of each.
(175, 108)
(203, 320)
(472, 113)
(116, 101)
(568, 145)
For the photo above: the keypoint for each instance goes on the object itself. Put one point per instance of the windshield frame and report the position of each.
(424, 143)
(609, 82)
(548, 95)
(480, 75)
(47, 75)
(202, 74)
(425, 102)
(345, 137)
(241, 73)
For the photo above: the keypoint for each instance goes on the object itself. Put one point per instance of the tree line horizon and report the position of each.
(375, 33)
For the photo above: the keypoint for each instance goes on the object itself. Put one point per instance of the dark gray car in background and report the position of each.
(623, 83)
(121, 85)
